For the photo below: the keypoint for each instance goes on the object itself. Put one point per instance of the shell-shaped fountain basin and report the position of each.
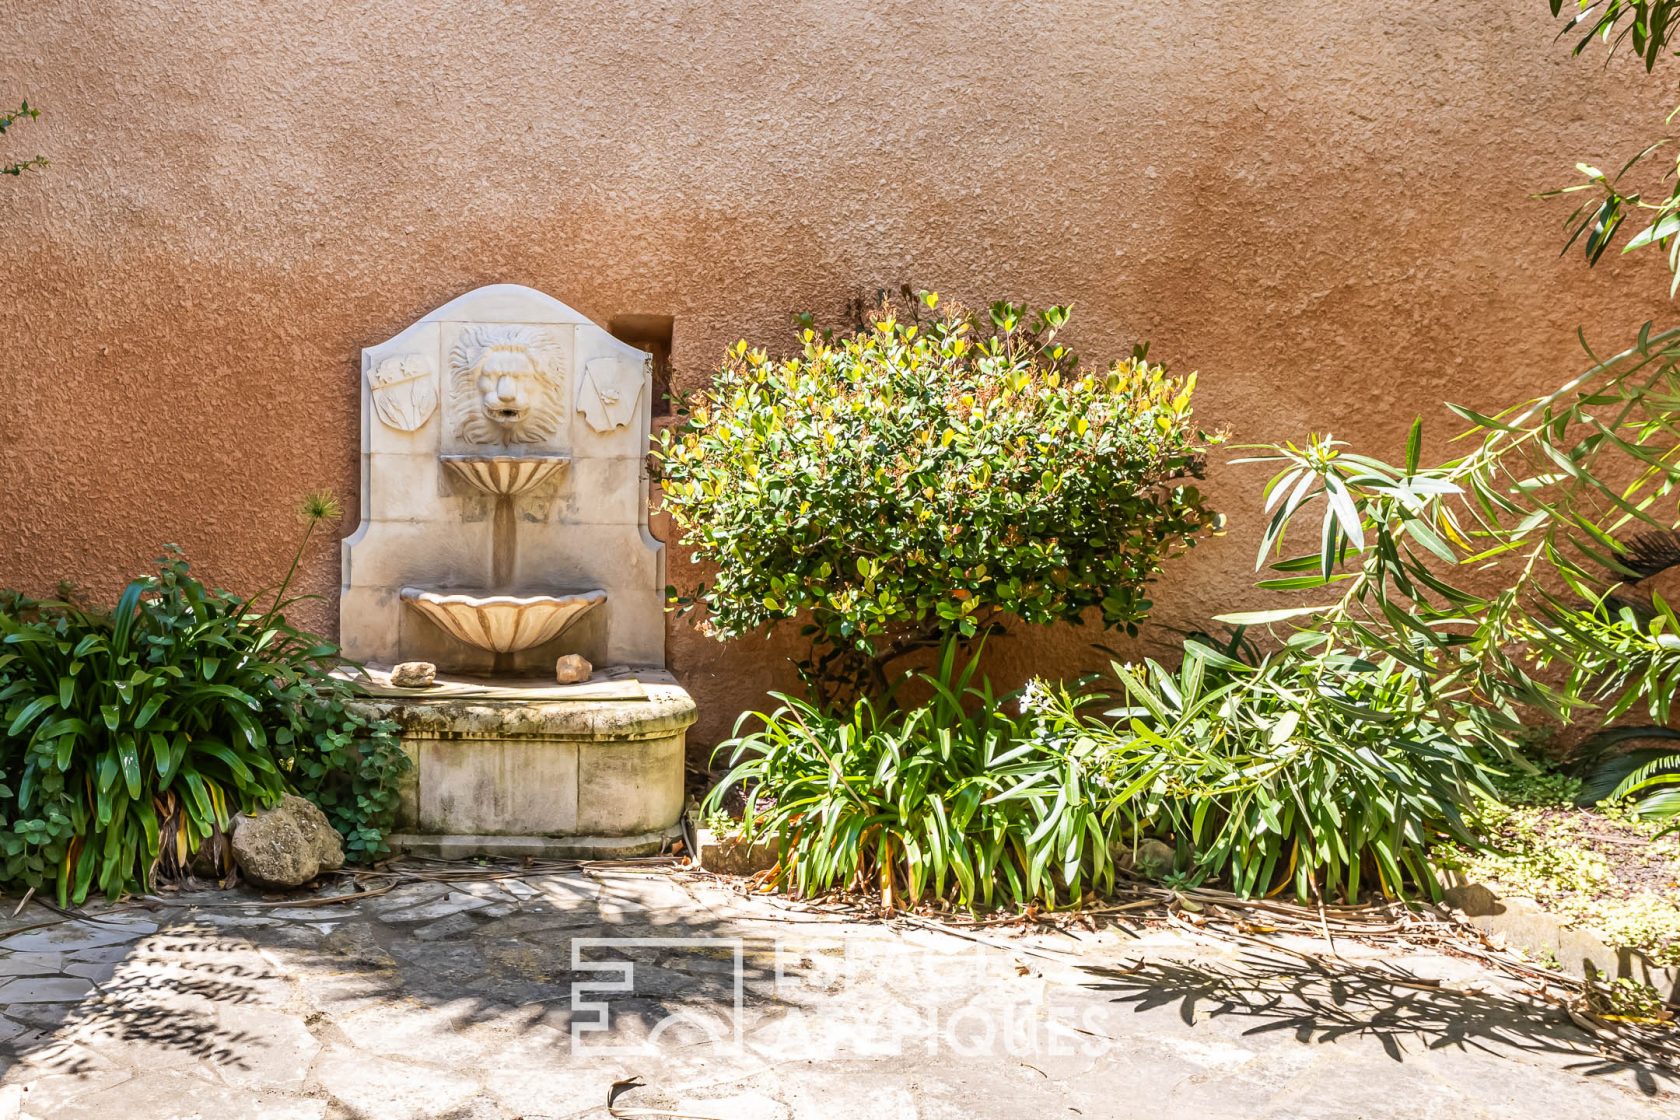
(502, 623)
(505, 475)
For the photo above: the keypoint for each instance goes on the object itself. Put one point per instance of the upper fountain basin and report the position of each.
(505, 475)
(501, 623)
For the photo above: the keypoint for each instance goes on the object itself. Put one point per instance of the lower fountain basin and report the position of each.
(502, 623)
(544, 777)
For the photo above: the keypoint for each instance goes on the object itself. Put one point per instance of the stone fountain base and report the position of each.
(507, 768)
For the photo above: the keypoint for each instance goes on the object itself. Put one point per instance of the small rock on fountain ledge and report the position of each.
(571, 669)
(413, 674)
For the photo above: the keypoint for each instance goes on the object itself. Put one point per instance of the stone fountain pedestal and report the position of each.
(583, 771)
(504, 524)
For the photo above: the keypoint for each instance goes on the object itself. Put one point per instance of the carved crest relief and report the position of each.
(405, 392)
(609, 391)
(506, 385)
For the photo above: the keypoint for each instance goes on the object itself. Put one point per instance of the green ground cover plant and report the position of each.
(1597, 866)
(1266, 773)
(1324, 777)
(955, 797)
(128, 736)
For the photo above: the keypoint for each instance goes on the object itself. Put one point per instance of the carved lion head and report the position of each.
(507, 385)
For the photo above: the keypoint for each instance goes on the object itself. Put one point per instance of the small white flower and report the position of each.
(1035, 698)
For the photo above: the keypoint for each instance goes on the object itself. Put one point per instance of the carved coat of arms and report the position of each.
(609, 391)
(405, 392)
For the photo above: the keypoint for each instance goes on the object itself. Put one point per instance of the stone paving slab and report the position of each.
(530, 998)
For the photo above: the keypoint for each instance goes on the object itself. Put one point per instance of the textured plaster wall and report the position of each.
(1322, 207)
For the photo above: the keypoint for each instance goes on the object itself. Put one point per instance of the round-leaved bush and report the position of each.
(928, 475)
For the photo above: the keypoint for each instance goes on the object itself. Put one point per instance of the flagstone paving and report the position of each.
(543, 996)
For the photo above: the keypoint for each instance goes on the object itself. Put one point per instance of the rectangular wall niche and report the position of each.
(653, 334)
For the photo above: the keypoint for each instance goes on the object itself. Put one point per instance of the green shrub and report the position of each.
(1519, 579)
(1322, 775)
(344, 762)
(951, 798)
(927, 476)
(127, 737)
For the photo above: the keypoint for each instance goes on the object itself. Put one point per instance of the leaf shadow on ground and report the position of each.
(1401, 1011)
(427, 961)
(100, 1001)
(519, 966)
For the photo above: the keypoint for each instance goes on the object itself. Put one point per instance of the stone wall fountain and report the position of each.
(504, 525)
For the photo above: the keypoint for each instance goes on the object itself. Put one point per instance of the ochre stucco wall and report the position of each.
(1322, 207)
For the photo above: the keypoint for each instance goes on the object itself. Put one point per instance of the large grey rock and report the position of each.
(286, 846)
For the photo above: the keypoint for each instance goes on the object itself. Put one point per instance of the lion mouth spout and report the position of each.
(507, 385)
